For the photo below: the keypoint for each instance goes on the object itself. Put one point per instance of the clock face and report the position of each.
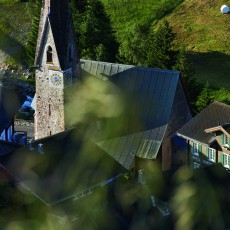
(56, 79)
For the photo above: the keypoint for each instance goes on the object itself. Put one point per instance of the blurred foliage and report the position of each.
(196, 202)
(98, 100)
(192, 200)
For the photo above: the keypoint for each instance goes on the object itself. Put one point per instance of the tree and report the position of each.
(95, 38)
(222, 95)
(133, 49)
(192, 86)
(34, 8)
(161, 53)
(204, 98)
(209, 95)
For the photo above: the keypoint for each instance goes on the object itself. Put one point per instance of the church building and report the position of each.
(158, 96)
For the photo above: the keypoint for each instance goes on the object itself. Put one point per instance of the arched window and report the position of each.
(49, 54)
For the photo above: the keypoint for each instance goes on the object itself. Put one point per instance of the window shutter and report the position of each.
(215, 156)
(207, 152)
(222, 139)
(192, 147)
(222, 158)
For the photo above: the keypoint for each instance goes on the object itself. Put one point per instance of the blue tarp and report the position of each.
(179, 141)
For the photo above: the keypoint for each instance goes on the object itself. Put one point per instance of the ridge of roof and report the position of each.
(83, 61)
(151, 92)
(221, 104)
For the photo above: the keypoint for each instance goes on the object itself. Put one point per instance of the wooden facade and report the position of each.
(208, 143)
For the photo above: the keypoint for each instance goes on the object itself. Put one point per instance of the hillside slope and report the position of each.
(205, 32)
(14, 26)
(199, 25)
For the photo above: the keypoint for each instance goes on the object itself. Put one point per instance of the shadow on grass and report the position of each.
(213, 67)
(14, 50)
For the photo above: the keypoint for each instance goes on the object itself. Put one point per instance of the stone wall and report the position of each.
(49, 115)
(25, 125)
(20, 122)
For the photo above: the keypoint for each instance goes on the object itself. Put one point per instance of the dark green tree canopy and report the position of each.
(94, 34)
(161, 53)
(34, 9)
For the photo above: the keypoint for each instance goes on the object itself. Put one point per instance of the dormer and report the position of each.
(225, 140)
(221, 134)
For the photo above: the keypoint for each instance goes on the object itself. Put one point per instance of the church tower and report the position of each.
(57, 66)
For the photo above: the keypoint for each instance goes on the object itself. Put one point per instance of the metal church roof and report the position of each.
(149, 98)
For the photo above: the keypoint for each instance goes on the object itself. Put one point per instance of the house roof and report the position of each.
(149, 98)
(216, 114)
(10, 103)
(68, 165)
(7, 147)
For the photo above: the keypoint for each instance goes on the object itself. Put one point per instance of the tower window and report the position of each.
(49, 110)
(49, 54)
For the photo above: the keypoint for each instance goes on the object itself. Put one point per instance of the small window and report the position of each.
(212, 153)
(225, 139)
(49, 110)
(195, 149)
(49, 55)
(226, 160)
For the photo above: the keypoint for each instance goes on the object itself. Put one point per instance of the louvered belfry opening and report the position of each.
(49, 54)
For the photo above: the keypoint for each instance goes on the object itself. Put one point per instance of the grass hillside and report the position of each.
(205, 31)
(14, 25)
(199, 25)
(125, 14)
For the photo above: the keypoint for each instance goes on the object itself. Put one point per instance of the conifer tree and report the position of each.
(34, 10)
(133, 50)
(222, 95)
(204, 98)
(160, 53)
(192, 86)
(95, 39)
